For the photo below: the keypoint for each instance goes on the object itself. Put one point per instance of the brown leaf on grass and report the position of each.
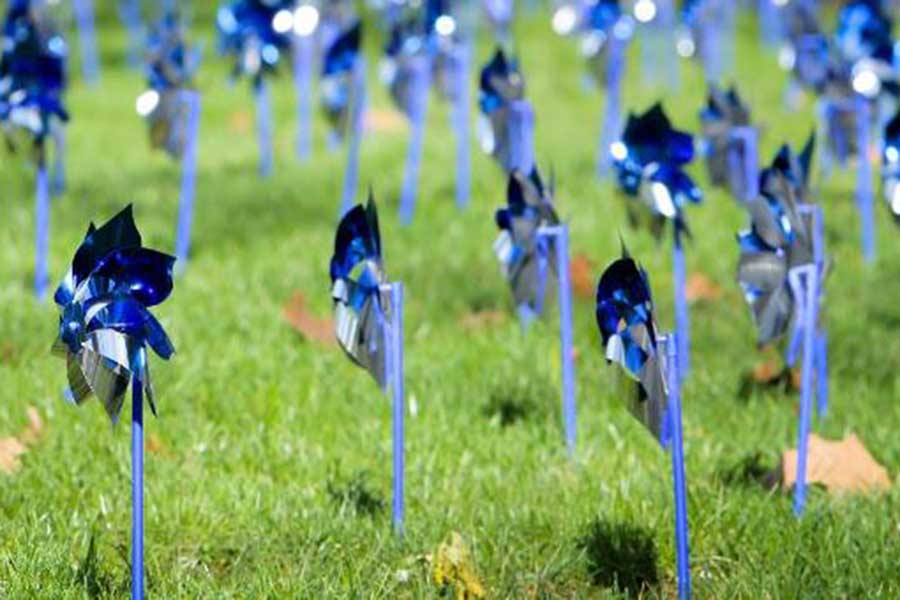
(700, 287)
(581, 272)
(11, 448)
(482, 319)
(453, 568)
(307, 324)
(155, 445)
(841, 466)
(385, 121)
(240, 122)
(8, 352)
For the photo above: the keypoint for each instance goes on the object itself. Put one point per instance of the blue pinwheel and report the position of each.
(255, 33)
(507, 134)
(170, 69)
(526, 259)
(32, 77)
(337, 83)
(105, 324)
(648, 160)
(778, 240)
(806, 51)
(729, 142)
(890, 165)
(629, 332)
(357, 275)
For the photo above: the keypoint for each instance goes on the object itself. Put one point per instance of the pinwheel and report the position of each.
(650, 378)
(343, 94)
(648, 160)
(451, 57)
(368, 316)
(407, 73)
(255, 33)
(507, 130)
(781, 270)
(730, 143)
(890, 165)
(707, 34)
(805, 51)
(605, 32)
(172, 110)
(104, 329)
(87, 40)
(532, 245)
(32, 81)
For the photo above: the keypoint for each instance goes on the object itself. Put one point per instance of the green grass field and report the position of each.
(270, 469)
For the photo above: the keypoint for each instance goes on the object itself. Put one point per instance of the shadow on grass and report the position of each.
(93, 575)
(750, 471)
(355, 494)
(620, 556)
(519, 402)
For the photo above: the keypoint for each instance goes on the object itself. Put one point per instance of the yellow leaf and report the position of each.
(841, 466)
(453, 568)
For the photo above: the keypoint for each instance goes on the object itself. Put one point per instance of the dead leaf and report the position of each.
(841, 466)
(305, 323)
(8, 353)
(155, 445)
(581, 273)
(240, 122)
(453, 568)
(11, 448)
(700, 287)
(482, 319)
(385, 121)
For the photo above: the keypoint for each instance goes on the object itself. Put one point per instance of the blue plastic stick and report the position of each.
(130, 13)
(357, 112)
(559, 236)
(462, 55)
(682, 324)
(769, 22)
(304, 50)
(188, 178)
(678, 472)
(397, 383)
(137, 489)
(865, 196)
(417, 109)
(42, 231)
(264, 127)
(821, 373)
(612, 120)
(87, 40)
(521, 144)
(743, 160)
(805, 283)
(58, 185)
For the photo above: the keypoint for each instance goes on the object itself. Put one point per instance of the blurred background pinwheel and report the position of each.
(255, 33)
(507, 131)
(890, 165)
(648, 160)
(527, 260)
(105, 324)
(778, 239)
(338, 65)
(729, 143)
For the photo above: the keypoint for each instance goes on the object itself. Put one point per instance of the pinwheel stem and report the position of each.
(682, 324)
(769, 22)
(87, 40)
(460, 117)
(558, 235)
(421, 79)
(191, 99)
(130, 13)
(821, 373)
(303, 67)
(398, 405)
(137, 489)
(865, 196)
(678, 471)
(264, 127)
(42, 231)
(612, 121)
(357, 113)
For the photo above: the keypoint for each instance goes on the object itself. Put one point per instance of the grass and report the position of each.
(271, 474)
